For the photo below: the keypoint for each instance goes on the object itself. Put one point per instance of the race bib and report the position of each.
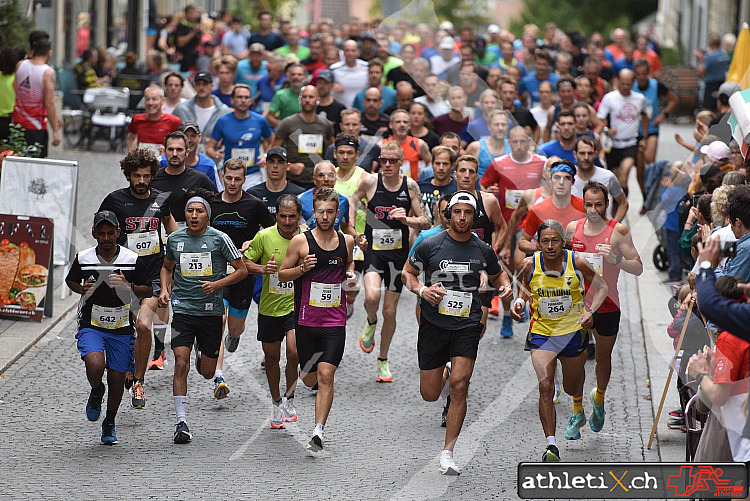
(247, 155)
(455, 304)
(152, 147)
(325, 295)
(310, 143)
(110, 318)
(552, 308)
(358, 254)
(281, 288)
(386, 239)
(595, 260)
(145, 243)
(196, 264)
(513, 198)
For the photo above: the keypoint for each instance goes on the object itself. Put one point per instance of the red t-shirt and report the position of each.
(547, 210)
(654, 63)
(153, 131)
(732, 362)
(513, 178)
(588, 246)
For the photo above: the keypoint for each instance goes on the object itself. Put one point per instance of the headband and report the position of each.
(563, 83)
(346, 142)
(562, 167)
(199, 200)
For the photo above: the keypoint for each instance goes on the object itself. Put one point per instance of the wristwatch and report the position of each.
(700, 377)
(706, 265)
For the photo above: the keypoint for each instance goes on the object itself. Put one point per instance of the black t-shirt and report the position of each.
(177, 185)
(271, 42)
(524, 117)
(333, 113)
(137, 215)
(399, 74)
(189, 52)
(456, 265)
(430, 193)
(87, 264)
(242, 219)
(430, 138)
(444, 124)
(269, 197)
(369, 152)
(379, 127)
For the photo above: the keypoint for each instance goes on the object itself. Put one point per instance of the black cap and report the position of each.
(106, 216)
(184, 126)
(367, 36)
(203, 76)
(277, 151)
(326, 75)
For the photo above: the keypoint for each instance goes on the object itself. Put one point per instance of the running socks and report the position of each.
(318, 428)
(551, 440)
(577, 404)
(218, 373)
(276, 403)
(179, 404)
(160, 332)
(372, 323)
(599, 396)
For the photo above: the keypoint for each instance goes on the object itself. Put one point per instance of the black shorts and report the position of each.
(607, 324)
(240, 295)
(37, 136)
(186, 329)
(359, 266)
(389, 271)
(319, 344)
(436, 346)
(486, 298)
(617, 155)
(273, 329)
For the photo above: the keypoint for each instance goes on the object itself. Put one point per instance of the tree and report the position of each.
(14, 25)
(584, 15)
(247, 10)
(431, 12)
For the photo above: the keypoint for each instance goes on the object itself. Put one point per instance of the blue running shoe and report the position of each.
(94, 405)
(506, 330)
(108, 434)
(231, 343)
(596, 420)
(575, 423)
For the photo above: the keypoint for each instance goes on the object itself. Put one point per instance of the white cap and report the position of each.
(716, 151)
(447, 25)
(462, 197)
(492, 29)
(447, 43)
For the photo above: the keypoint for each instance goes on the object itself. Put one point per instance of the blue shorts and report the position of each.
(257, 291)
(568, 345)
(235, 312)
(118, 348)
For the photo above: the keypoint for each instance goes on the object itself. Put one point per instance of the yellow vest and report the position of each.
(556, 302)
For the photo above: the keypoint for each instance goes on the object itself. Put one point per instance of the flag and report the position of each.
(738, 69)
(739, 120)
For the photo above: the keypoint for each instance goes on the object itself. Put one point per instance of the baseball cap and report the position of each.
(203, 76)
(446, 43)
(447, 25)
(277, 151)
(462, 197)
(728, 88)
(716, 151)
(367, 36)
(106, 216)
(326, 75)
(184, 126)
(480, 43)
(257, 47)
(492, 29)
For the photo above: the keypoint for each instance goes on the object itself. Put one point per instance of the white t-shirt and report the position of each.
(203, 115)
(608, 179)
(438, 65)
(165, 108)
(624, 114)
(436, 108)
(540, 115)
(352, 78)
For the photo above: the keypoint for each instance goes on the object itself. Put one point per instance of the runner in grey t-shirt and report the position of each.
(586, 151)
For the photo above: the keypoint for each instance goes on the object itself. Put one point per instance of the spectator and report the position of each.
(723, 109)
(173, 84)
(293, 46)
(270, 83)
(328, 107)
(739, 220)
(234, 42)
(458, 118)
(445, 60)
(205, 108)
(265, 35)
(728, 42)
(187, 37)
(252, 69)
(350, 75)
(369, 151)
(286, 102)
(9, 59)
(375, 79)
(670, 196)
(529, 86)
(226, 69)
(643, 52)
(84, 71)
(713, 67)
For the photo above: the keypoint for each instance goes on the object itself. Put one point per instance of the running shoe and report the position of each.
(445, 412)
(263, 363)
(384, 373)
(128, 380)
(551, 455)
(316, 442)
(182, 434)
(447, 466)
(676, 413)
(495, 306)
(596, 420)
(290, 411)
(367, 338)
(575, 423)
(94, 405)
(277, 417)
(221, 390)
(138, 396)
(108, 434)
(198, 360)
(231, 343)
(349, 309)
(558, 392)
(157, 363)
(506, 330)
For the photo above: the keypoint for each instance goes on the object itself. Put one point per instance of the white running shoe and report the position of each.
(316, 442)
(290, 411)
(447, 466)
(277, 417)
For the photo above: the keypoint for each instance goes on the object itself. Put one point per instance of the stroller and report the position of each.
(654, 173)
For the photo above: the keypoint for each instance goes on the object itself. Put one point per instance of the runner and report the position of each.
(319, 261)
(149, 130)
(140, 212)
(443, 162)
(450, 326)
(324, 176)
(105, 276)
(195, 159)
(608, 247)
(585, 152)
(489, 148)
(239, 215)
(199, 255)
(489, 224)
(391, 197)
(559, 325)
(276, 308)
(277, 183)
(415, 151)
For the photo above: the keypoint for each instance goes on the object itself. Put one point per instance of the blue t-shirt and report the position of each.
(475, 130)
(716, 64)
(424, 234)
(224, 98)
(531, 84)
(267, 90)
(271, 42)
(554, 148)
(621, 64)
(307, 209)
(246, 75)
(387, 94)
(245, 134)
(204, 165)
